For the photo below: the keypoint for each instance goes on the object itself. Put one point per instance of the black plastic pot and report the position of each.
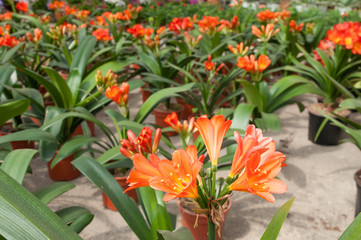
(330, 134)
(358, 193)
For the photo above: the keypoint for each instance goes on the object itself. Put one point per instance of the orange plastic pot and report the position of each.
(189, 219)
(79, 129)
(122, 182)
(64, 170)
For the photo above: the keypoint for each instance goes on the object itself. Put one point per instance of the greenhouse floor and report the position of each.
(321, 178)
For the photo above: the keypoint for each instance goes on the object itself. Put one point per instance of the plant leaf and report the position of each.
(23, 216)
(47, 194)
(181, 233)
(12, 109)
(276, 223)
(97, 174)
(353, 231)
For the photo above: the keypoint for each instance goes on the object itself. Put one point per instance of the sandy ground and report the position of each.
(321, 178)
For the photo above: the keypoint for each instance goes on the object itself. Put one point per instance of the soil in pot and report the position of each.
(330, 134)
(64, 170)
(189, 219)
(161, 112)
(122, 180)
(358, 193)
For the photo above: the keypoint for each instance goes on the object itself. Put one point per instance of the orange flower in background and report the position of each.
(138, 31)
(143, 171)
(22, 6)
(208, 64)
(179, 25)
(82, 15)
(118, 94)
(141, 144)
(45, 19)
(249, 63)
(8, 41)
(294, 27)
(252, 141)
(266, 16)
(102, 34)
(284, 15)
(173, 121)
(239, 50)
(179, 176)
(347, 34)
(101, 21)
(265, 33)
(213, 131)
(208, 24)
(6, 16)
(56, 5)
(70, 10)
(191, 41)
(259, 174)
(38, 34)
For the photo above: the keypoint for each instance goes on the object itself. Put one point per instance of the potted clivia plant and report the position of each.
(335, 66)
(254, 168)
(118, 165)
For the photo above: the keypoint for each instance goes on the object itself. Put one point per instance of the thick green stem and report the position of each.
(211, 230)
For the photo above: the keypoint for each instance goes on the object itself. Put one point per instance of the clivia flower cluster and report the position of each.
(253, 66)
(269, 16)
(185, 129)
(255, 165)
(347, 34)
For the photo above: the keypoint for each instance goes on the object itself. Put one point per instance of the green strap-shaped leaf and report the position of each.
(181, 233)
(78, 217)
(16, 163)
(62, 87)
(11, 53)
(252, 94)
(276, 223)
(272, 121)
(242, 115)
(23, 216)
(73, 82)
(72, 146)
(129, 210)
(6, 71)
(353, 231)
(29, 135)
(155, 98)
(12, 109)
(82, 54)
(111, 154)
(47, 194)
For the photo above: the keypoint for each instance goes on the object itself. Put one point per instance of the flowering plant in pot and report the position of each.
(255, 164)
(335, 68)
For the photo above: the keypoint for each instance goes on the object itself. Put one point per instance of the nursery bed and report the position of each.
(320, 177)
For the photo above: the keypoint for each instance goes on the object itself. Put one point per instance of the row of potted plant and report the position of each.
(58, 76)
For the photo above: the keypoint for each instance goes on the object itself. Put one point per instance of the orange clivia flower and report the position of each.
(266, 16)
(179, 25)
(208, 64)
(102, 34)
(239, 50)
(208, 24)
(294, 27)
(8, 41)
(179, 176)
(70, 10)
(213, 131)
(82, 14)
(141, 144)
(191, 41)
(173, 121)
(56, 5)
(143, 171)
(6, 16)
(252, 141)
(265, 33)
(22, 6)
(251, 65)
(284, 15)
(118, 94)
(138, 31)
(258, 176)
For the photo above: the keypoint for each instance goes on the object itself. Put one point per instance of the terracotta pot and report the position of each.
(79, 129)
(358, 193)
(17, 144)
(161, 112)
(64, 170)
(122, 182)
(187, 109)
(201, 231)
(330, 134)
(145, 94)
